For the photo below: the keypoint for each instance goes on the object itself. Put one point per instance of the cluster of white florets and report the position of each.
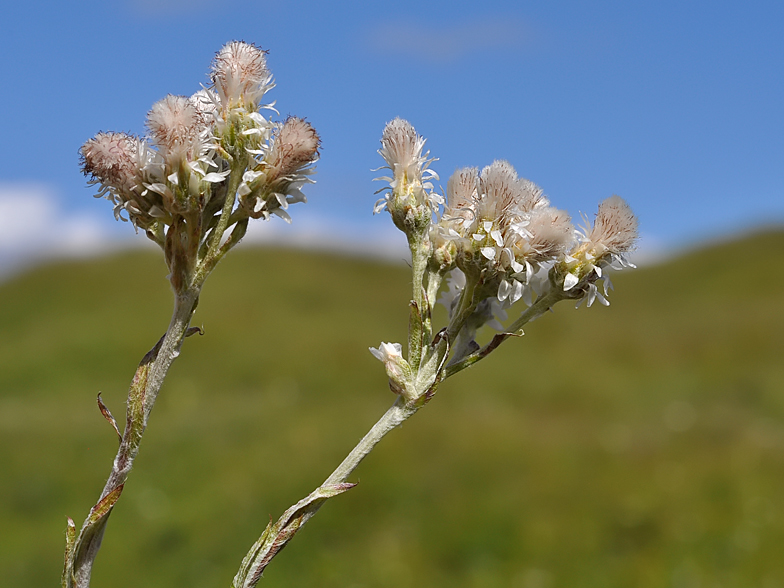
(410, 197)
(500, 229)
(182, 170)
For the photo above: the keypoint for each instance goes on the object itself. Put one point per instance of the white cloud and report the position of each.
(33, 225)
(451, 43)
(374, 238)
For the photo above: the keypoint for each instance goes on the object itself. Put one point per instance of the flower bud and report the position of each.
(410, 199)
(276, 181)
(397, 368)
(293, 148)
(615, 228)
(240, 75)
(605, 244)
(174, 123)
(111, 158)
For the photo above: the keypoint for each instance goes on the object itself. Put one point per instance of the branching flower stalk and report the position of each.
(496, 240)
(210, 163)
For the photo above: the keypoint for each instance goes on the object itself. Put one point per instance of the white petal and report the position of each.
(504, 289)
(282, 214)
(215, 177)
(517, 292)
(488, 252)
(250, 175)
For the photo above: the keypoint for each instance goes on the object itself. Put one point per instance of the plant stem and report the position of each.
(392, 418)
(420, 333)
(141, 397)
(538, 308)
(275, 537)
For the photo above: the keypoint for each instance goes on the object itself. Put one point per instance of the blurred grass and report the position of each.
(640, 445)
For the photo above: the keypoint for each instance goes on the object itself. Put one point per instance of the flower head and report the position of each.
(111, 158)
(398, 370)
(176, 127)
(294, 147)
(122, 165)
(240, 75)
(615, 229)
(276, 179)
(613, 234)
(410, 198)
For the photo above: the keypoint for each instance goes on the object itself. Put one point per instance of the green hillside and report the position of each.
(640, 445)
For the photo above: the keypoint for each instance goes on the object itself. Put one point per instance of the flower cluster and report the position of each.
(409, 198)
(210, 160)
(499, 225)
(495, 238)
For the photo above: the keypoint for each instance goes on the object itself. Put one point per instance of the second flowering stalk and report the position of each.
(495, 240)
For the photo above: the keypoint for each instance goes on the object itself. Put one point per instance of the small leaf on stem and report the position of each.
(108, 416)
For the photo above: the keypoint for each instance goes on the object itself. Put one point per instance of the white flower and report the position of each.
(240, 75)
(277, 179)
(180, 131)
(461, 197)
(121, 164)
(387, 352)
(398, 370)
(615, 228)
(409, 185)
(604, 245)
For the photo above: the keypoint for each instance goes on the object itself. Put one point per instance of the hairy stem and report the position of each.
(141, 397)
(392, 418)
(538, 308)
(276, 536)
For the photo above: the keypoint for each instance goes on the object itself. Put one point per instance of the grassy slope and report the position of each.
(640, 445)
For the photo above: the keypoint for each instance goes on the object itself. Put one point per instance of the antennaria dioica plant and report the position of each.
(212, 161)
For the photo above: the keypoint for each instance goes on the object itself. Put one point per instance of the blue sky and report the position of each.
(676, 106)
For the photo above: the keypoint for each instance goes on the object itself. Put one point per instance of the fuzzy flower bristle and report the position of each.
(294, 147)
(174, 123)
(615, 228)
(111, 158)
(410, 197)
(551, 232)
(239, 73)
(401, 147)
(461, 188)
(499, 189)
(461, 193)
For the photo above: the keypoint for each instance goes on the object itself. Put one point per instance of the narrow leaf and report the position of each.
(108, 416)
(70, 543)
(276, 536)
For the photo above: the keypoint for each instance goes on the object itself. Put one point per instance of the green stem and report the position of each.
(538, 308)
(465, 307)
(421, 333)
(212, 256)
(141, 398)
(265, 549)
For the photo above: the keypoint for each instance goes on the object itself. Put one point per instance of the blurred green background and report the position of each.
(637, 445)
